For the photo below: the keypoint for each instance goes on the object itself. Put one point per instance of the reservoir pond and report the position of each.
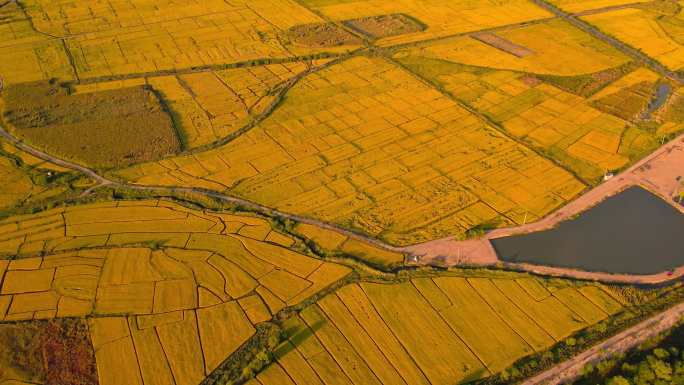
(633, 232)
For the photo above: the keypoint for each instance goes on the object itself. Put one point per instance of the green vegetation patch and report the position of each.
(628, 103)
(589, 84)
(658, 361)
(107, 129)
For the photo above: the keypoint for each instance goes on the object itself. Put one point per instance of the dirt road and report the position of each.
(659, 172)
(103, 181)
(570, 370)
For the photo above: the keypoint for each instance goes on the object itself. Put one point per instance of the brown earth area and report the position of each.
(659, 173)
(377, 27)
(51, 352)
(321, 35)
(505, 45)
(104, 129)
(628, 103)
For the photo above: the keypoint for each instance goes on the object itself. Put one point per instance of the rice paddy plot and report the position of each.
(109, 39)
(168, 292)
(365, 145)
(588, 134)
(428, 330)
(656, 31)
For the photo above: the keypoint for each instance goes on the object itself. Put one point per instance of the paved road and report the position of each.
(570, 370)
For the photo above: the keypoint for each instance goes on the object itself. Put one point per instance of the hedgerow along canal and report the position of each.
(633, 232)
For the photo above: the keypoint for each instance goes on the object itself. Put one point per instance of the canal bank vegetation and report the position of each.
(659, 360)
(645, 303)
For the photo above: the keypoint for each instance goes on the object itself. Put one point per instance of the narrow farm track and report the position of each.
(103, 181)
(619, 45)
(478, 252)
(569, 370)
(659, 172)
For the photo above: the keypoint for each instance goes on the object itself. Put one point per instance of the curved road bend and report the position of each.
(567, 371)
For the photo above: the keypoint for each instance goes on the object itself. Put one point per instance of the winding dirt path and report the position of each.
(571, 369)
(657, 172)
(103, 181)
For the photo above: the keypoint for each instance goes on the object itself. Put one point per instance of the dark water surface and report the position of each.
(662, 93)
(633, 232)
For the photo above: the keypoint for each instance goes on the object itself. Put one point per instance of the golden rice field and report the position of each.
(170, 293)
(156, 282)
(403, 152)
(357, 143)
(657, 32)
(373, 333)
(588, 134)
(103, 39)
(576, 6)
(556, 47)
(441, 18)
(403, 121)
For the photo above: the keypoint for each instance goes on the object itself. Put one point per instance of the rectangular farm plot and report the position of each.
(424, 334)
(428, 330)
(513, 315)
(586, 135)
(552, 315)
(499, 346)
(366, 146)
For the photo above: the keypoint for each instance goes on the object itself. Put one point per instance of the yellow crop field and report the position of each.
(657, 32)
(151, 307)
(387, 169)
(555, 46)
(441, 18)
(588, 135)
(367, 335)
(103, 39)
(253, 191)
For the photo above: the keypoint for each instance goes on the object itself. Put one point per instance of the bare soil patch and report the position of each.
(47, 352)
(376, 27)
(321, 35)
(107, 129)
(505, 45)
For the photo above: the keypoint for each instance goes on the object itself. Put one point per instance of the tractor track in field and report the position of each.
(567, 371)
